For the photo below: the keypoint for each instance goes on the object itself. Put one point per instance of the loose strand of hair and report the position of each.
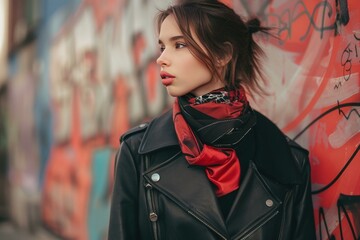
(257, 74)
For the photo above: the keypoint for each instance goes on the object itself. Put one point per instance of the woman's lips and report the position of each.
(167, 79)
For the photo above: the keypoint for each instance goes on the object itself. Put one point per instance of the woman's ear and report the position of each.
(227, 55)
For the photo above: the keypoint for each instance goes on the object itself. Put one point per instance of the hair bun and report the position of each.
(253, 25)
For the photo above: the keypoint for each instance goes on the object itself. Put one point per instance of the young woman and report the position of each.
(211, 167)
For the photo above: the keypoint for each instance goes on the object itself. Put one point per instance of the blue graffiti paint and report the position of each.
(99, 203)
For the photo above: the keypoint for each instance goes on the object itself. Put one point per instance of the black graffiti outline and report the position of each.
(341, 17)
(341, 112)
(347, 70)
(286, 26)
(341, 202)
(322, 217)
(311, 19)
(356, 49)
(337, 107)
(342, 13)
(333, 181)
(341, 206)
(356, 37)
(348, 57)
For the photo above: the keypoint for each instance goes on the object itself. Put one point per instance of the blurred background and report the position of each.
(76, 74)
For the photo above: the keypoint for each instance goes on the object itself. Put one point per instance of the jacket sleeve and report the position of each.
(304, 223)
(123, 223)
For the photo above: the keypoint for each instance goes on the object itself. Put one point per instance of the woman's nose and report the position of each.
(162, 59)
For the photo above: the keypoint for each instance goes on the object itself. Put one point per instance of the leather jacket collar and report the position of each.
(159, 134)
(163, 133)
(272, 150)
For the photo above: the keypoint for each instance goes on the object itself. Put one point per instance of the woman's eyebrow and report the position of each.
(172, 39)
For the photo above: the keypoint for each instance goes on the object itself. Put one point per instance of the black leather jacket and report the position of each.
(158, 195)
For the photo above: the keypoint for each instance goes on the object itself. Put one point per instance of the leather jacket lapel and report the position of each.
(159, 134)
(188, 187)
(242, 220)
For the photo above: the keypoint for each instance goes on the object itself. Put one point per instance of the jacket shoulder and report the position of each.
(279, 156)
(299, 153)
(134, 131)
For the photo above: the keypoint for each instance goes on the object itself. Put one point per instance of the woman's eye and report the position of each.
(162, 48)
(180, 45)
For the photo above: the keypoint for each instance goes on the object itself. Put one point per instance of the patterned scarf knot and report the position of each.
(222, 165)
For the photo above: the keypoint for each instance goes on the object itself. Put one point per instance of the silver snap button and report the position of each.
(269, 203)
(155, 177)
(142, 125)
(153, 217)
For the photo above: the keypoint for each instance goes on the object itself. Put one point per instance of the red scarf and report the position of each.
(222, 165)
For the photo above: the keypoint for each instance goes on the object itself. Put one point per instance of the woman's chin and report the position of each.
(173, 93)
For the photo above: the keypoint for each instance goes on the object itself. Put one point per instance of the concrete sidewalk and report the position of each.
(9, 232)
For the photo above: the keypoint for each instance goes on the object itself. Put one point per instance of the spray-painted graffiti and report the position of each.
(103, 80)
(312, 15)
(350, 54)
(348, 205)
(320, 39)
(22, 142)
(338, 176)
(99, 71)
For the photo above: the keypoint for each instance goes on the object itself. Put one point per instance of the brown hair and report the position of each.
(216, 25)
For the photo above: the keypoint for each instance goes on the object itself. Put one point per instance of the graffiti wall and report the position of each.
(22, 139)
(96, 78)
(102, 80)
(313, 84)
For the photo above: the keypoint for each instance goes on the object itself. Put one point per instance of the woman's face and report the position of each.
(181, 72)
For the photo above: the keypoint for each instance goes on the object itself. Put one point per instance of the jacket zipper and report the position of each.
(151, 205)
(152, 215)
(260, 225)
(283, 217)
(193, 214)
